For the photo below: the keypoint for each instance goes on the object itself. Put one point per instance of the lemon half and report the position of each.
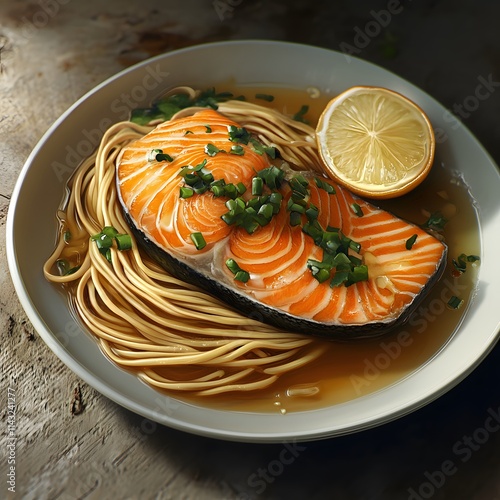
(375, 142)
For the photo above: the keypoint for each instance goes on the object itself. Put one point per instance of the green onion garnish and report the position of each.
(123, 241)
(257, 186)
(208, 129)
(198, 240)
(299, 116)
(295, 218)
(159, 155)
(265, 97)
(455, 302)
(322, 184)
(436, 221)
(188, 132)
(460, 263)
(186, 192)
(237, 150)
(243, 276)
(212, 150)
(67, 236)
(411, 241)
(357, 209)
(239, 274)
(104, 241)
(238, 134)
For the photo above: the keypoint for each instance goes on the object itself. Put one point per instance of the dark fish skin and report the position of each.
(272, 316)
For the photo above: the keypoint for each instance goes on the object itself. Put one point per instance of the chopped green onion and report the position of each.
(198, 240)
(312, 212)
(295, 218)
(460, 263)
(455, 302)
(123, 242)
(295, 207)
(241, 188)
(230, 191)
(436, 221)
(208, 129)
(299, 116)
(238, 134)
(188, 132)
(339, 278)
(239, 274)
(357, 209)
(411, 241)
(217, 190)
(159, 155)
(186, 192)
(354, 245)
(272, 176)
(265, 97)
(237, 150)
(322, 184)
(257, 186)
(242, 276)
(67, 236)
(212, 150)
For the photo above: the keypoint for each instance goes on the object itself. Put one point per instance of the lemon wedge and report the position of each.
(376, 142)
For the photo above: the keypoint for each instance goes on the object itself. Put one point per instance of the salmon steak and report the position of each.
(218, 209)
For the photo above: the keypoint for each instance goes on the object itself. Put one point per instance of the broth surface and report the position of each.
(350, 370)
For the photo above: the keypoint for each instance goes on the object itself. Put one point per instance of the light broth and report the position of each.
(350, 370)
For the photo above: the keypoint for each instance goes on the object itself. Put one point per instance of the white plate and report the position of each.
(31, 226)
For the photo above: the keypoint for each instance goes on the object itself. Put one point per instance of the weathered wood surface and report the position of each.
(75, 445)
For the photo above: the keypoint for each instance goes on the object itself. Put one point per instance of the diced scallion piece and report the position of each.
(299, 116)
(242, 276)
(67, 236)
(159, 155)
(237, 150)
(208, 129)
(410, 242)
(455, 302)
(212, 150)
(123, 242)
(238, 134)
(186, 192)
(257, 186)
(436, 222)
(104, 241)
(198, 240)
(322, 184)
(357, 209)
(239, 274)
(460, 263)
(295, 218)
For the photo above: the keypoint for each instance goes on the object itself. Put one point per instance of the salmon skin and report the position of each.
(290, 248)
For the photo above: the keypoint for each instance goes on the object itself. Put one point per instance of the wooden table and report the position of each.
(73, 443)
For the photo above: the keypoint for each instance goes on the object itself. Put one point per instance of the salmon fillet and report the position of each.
(278, 255)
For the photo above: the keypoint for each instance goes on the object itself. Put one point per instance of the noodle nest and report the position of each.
(174, 336)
